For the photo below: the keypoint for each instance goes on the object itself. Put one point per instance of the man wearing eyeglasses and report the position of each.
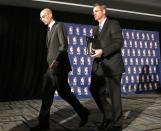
(56, 76)
(107, 68)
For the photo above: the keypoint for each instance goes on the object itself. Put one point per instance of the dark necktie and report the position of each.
(100, 28)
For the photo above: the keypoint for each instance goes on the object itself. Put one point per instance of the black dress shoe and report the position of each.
(105, 125)
(40, 128)
(84, 118)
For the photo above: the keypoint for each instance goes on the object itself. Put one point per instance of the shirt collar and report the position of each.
(102, 23)
(51, 24)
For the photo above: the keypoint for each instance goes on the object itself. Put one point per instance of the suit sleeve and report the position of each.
(63, 43)
(116, 40)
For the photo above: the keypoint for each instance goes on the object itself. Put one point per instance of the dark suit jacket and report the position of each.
(111, 42)
(57, 47)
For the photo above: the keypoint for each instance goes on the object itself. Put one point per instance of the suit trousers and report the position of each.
(52, 82)
(106, 91)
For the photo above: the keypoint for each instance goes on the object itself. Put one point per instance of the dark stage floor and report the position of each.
(140, 113)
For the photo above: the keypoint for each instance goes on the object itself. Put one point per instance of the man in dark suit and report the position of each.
(56, 76)
(107, 68)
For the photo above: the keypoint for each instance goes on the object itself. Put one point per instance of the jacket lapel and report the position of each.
(104, 28)
(49, 34)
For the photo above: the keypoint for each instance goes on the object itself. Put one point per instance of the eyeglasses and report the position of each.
(95, 11)
(43, 16)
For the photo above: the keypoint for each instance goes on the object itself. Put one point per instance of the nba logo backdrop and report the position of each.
(141, 56)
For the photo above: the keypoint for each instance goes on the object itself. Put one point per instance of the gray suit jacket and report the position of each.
(57, 45)
(111, 42)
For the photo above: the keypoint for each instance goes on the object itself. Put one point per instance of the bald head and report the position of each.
(46, 16)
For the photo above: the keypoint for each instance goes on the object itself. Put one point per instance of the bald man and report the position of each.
(56, 76)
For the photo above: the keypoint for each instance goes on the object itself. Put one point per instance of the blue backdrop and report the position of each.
(141, 55)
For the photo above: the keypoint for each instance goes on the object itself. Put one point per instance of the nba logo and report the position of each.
(152, 77)
(132, 34)
(143, 78)
(135, 87)
(145, 87)
(71, 72)
(127, 79)
(152, 61)
(81, 40)
(157, 77)
(129, 70)
(74, 60)
(145, 43)
(126, 61)
(136, 61)
(85, 51)
(78, 50)
(123, 52)
(71, 51)
(149, 52)
(82, 61)
(125, 43)
(155, 44)
(89, 61)
(155, 70)
(79, 91)
(82, 80)
(142, 61)
(141, 44)
(151, 45)
(77, 30)
(79, 71)
(137, 35)
(124, 88)
(153, 53)
(131, 61)
(130, 43)
(84, 31)
(137, 79)
(147, 61)
(140, 70)
(155, 86)
(145, 69)
(148, 37)
(86, 70)
(147, 78)
(128, 52)
(132, 79)
(75, 81)
(152, 36)
(136, 44)
(129, 88)
(144, 52)
(143, 36)
(89, 80)
(86, 91)
(90, 31)
(127, 35)
(150, 69)
(74, 40)
(70, 30)
(133, 52)
(139, 53)
(134, 70)
(150, 86)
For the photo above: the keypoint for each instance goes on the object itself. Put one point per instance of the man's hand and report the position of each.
(97, 53)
